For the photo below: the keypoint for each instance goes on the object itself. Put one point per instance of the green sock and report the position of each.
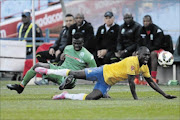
(29, 75)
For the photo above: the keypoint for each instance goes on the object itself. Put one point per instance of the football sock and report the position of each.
(153, 74)
(29, 75)
(61, 72)
(80, 96)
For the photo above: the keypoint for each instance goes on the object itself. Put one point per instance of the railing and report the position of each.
(38, 39)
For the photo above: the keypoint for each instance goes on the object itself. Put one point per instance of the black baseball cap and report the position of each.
(26, 14)
(108, 14)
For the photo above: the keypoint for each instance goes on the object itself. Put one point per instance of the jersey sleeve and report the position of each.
(91, 62)
(89, 59)
(145, 71)
(65, 50)
(130, 68)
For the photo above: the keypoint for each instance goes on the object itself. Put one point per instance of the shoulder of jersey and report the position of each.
(69, 47)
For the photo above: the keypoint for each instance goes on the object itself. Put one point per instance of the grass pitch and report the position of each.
(35, 104)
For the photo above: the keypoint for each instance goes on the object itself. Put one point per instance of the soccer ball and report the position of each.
(165, 59)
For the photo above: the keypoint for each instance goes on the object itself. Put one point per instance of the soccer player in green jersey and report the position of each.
(76, 58)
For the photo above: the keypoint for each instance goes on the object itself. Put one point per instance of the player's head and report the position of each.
(128, 18)
(143, 55)
(69, 19)
(26, 16)
(79, 19)
(78, 41)
(109, 18)
(147, 20)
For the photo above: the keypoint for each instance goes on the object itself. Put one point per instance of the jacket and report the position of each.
(107, 39)
(24, 32)
(62, 40)
(151, 37)
(128, 36)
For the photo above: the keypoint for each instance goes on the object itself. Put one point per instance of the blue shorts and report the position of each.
(96, 74)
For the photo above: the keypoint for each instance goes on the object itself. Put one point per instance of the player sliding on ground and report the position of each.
(76, 58)
(108, 75)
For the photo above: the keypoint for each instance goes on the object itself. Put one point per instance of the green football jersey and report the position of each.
(77, 60)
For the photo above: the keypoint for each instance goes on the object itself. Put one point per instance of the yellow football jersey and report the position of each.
(119, 71)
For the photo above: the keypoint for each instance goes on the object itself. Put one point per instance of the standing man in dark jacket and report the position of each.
(128, 36)
(106, 39)
(84, 27)
(151, 37)
(55, 51)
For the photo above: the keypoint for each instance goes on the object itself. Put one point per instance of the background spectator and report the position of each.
(55, 51)
(151, 37)
(84, 27)
(128, 36)
(106, 39)
(25, 29)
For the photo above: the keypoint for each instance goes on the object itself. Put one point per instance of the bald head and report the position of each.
(143, 48)
(128, 18)
(79, 19)
(128, 14)
(143, 55)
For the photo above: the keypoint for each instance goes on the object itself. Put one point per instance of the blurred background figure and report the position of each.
(128, 36)
(25, 30)
(54, 53)
(106, 39)
(84, 27)
(152, 37)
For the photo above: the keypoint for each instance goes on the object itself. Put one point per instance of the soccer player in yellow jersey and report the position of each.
(108, 75)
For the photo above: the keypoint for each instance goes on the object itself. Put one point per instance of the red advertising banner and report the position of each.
(45, 19)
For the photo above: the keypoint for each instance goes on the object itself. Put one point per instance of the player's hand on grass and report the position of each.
(170, 96)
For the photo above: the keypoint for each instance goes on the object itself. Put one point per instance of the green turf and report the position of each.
(35, 104)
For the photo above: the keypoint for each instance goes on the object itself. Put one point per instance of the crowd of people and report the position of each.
(129, 46)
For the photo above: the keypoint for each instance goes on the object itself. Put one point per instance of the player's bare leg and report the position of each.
(154, 64)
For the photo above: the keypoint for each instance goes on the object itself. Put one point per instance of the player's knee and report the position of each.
(39, 64)
(95, 95)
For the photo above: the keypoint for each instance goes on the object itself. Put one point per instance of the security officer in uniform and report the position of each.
(25, 30)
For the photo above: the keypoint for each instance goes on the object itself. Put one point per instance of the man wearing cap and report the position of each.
(128, 36)
(106, 39)
(25, 30)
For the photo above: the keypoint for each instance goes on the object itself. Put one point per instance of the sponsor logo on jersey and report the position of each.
(83, 31)
(132, 68)
(89, 71)
(73, 31)
(159, 31)
(81, 54)
(143, 35)
(79, 60)
(122, 31)
(102, 31)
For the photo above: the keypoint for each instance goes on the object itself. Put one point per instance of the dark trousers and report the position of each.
(108, 59)
(44, 56)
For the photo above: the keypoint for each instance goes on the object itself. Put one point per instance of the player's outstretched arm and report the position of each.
(132, 86)
(156, 87)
